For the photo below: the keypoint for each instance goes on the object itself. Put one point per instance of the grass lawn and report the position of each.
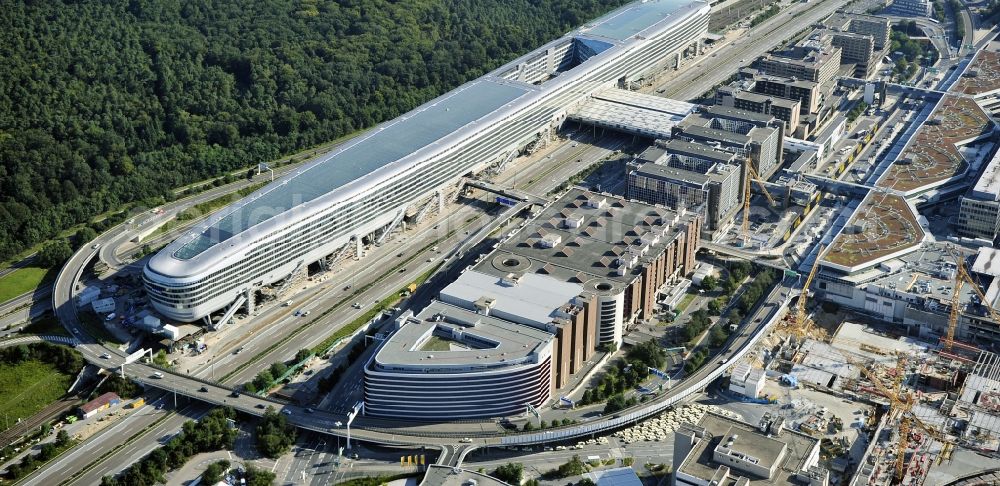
(686, 301)
(29, 387)
(24, 280)
(436, 344)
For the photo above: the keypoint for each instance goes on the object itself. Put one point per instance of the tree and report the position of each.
(714, 307)
(160, 359)
(54, 253)
(216, 99)
(274, 435)
(586, 482)
(528, 426)
(509, 473)
(278, 368)
(258, 477)
(84, 236)
(213, 473)
(573, 467)
(62, 438)
(709, 282)
(302, 355)
(717, 336)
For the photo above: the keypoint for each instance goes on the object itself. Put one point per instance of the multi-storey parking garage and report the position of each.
(368, 184)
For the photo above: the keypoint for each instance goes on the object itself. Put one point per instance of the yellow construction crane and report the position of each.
(901, 408)
(962, 277)
(751, 174)
(798, 321)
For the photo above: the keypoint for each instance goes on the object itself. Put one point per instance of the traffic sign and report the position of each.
(506, 201)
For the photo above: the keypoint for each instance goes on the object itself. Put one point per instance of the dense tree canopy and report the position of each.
(104, 102)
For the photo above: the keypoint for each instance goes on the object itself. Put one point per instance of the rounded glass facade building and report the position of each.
(370, 182)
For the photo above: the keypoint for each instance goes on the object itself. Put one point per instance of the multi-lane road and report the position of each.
(714, 68)
(566, 159)
(377, 268)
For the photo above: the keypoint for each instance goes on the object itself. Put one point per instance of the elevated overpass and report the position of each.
(754, 327)
(766, 259)
(896, 89)
(506, 192)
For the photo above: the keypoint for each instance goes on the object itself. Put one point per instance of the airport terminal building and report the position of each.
(344, 197)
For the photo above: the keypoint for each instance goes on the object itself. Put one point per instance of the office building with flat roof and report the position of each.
(979, 208)
(585, 268)
(879, 28)
(363, 189)
(806, 92)
(812, 60)
(680, 174)
(857, 49)
(720, 451)
(784, 109)
(747, 134)
(452, 363)
(912, 8)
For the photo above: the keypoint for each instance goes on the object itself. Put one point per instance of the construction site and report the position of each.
(888, 407)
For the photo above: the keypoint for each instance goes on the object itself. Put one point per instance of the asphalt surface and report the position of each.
(717, 66)
(568, 159)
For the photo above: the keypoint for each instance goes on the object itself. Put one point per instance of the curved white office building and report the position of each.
(450, 363)
(366, 184)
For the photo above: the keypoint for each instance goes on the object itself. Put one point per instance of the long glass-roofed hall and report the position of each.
(368, 183)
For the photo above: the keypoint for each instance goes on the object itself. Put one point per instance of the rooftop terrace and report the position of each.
(884, 226)
(932, 157)
(982, 76)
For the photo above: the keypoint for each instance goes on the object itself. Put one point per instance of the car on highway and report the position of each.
(309, 410)
(157, 375)
(348, 287)
(305, 313)
(286, 411)
(466, 440)
(96, 246)
(105, 356)
(203, 389)
(235, 394)
(356, 305)
(260, 405)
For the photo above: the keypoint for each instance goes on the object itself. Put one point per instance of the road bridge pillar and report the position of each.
(250, 300)
(358, 248)
(440, 200)
(677, 60)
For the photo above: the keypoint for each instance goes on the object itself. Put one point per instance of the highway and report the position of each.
(277, 321)
(567, 159)
(718, 66)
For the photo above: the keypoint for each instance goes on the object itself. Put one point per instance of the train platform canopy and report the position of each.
(634, 113)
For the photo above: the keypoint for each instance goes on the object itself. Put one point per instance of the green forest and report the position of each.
(107, 102)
